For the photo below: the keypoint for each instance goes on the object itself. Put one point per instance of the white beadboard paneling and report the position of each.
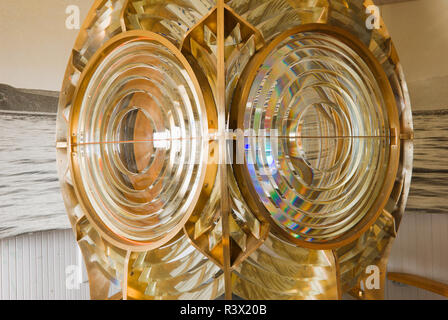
(33, 266)
(421, 248)
(19, 266)
(440, 247)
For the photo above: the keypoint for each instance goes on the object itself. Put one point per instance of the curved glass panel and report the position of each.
(140, 146)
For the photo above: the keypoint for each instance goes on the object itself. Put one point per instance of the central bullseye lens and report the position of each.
(141, 141)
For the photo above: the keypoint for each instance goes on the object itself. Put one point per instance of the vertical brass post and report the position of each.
(221, 105)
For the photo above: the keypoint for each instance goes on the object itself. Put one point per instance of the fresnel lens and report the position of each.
(255, 148)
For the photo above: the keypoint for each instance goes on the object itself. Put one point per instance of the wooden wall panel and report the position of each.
(429, 187)
(33, 266)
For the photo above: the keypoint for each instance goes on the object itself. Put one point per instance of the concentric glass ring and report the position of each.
(140, 141)
(317, 137)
